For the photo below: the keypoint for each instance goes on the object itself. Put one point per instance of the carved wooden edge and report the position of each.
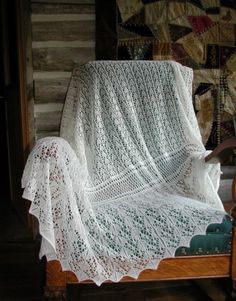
(57, 279)
(181, 267)
(55, 282)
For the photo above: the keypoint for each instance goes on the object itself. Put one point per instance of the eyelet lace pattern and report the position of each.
(126, 183)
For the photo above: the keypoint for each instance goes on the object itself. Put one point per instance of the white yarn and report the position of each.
(126, 183)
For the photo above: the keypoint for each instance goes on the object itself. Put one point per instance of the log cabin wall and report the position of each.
(63, 36)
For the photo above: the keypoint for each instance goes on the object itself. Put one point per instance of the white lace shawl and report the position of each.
(126, 184)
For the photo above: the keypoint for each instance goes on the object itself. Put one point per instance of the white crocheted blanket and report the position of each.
(126, 183)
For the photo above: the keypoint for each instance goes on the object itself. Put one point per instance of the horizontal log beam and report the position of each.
(61, 59)
(63, 44)
(65, 1)
(55, 8)
(63, 34)
(62, 17)
(50, 90)
(48, 121)
(43, 134)
(47, 75)
(48, 108)
(80, 32)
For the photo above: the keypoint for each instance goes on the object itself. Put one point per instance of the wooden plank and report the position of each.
(48, 121)
(62, 17)
(65, 1)
(61, 59)
(64, 44)
(48, 107)
(43, 134)
(53, 90)
(64, 31)
(37, 75)
(177, 268)
(49, 8)
(188, 268)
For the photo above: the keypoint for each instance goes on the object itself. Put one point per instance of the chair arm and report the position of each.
(222, 151)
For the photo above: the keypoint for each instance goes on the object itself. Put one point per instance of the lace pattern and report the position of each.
(126, 183)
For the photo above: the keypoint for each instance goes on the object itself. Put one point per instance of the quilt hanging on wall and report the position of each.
(198, 34)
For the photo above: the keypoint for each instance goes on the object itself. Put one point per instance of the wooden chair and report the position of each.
(178, 268)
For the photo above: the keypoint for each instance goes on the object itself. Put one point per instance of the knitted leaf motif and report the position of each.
(126, 184)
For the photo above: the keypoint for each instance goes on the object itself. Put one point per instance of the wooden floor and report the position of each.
(159, 291)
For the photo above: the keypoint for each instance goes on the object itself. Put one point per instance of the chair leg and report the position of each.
(233, 291)
(231, 296)
(73, 292)
(55, 294)
(233, 253)
(212, 288)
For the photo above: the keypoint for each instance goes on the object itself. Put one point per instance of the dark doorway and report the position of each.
(12, 223)
(21, 272)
